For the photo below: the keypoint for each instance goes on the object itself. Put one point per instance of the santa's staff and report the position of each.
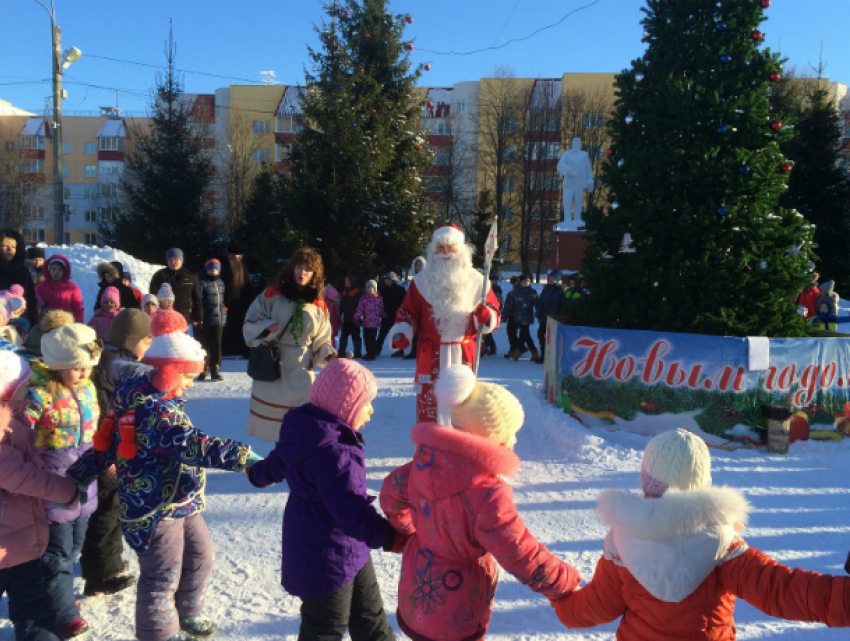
(489, 252)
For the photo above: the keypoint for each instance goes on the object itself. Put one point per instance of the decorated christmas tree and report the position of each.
(355, 182)
(695, 175)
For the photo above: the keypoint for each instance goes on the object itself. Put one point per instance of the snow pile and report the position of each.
(84, 260)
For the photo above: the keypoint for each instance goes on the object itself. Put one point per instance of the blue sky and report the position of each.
(240, 38)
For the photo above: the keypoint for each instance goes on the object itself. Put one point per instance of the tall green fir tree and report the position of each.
(355, 190)
(167, 172)
(819, 187)
(695, 174)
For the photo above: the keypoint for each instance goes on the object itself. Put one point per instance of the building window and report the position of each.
(593, 121)
(36, 212)
(35, 235)
(443, 158)
(594, 151)
(69, 211)
(543, 150)
(110, 143)
(108, 191)
(66, 171)
(285, 125)
(506, 244)
(91, 238)
(32, 142)
(32, 166)
(262, 127)
(90, 193)
(509, 154)
(90, 148)
(440, 128)
(261, 155)
(91, 171)
(66, 193)
(508, 185)
(282, 152)
(107, 213)
(461, 106)
(507, 213)
(66, 147)
(11, 146)
(91, 215)
(508, 124)
(110, 167)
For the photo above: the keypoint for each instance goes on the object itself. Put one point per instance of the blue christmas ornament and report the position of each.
(615, 205)
(621, 162)
(721, 100)
(725, 58)
(721, 129)
(720, 26)
(722, 211)
(744, 170)
(353, 124)
(339, 86)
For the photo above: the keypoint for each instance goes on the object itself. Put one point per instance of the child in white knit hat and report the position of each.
(150, 304)
(460, 512)
(159, 457)
(62, 408)
(165, 296)
(673, 561)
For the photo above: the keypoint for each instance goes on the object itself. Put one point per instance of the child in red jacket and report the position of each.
(673, 561)
(452, 500)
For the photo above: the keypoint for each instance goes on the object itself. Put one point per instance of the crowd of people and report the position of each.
(97, 450)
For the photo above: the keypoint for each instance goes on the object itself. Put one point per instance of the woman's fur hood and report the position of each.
(107, 268)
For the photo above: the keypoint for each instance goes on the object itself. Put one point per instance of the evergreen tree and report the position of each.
(355, 190)
(164, 180)
(819, 188)
(695, 172)
(264, 228)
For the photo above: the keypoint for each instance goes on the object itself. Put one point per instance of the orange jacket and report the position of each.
(706, 613)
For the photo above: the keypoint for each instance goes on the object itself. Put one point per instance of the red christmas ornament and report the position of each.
(410, 47)
(430, 105)
(610, 151)
(765, 4)
(775, 76)
(776, 125)
(409, 20)
(757, 36)
(786, 168)
(361, 70)
(427, 67)
(347, 13)
(419, 147)
(366, 35)
(374, 111)
(376, 150)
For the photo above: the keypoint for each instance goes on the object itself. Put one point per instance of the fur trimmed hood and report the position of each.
(105, 268)
(481, 455)
(671, 544)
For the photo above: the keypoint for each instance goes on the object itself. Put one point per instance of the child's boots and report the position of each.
(198, 627)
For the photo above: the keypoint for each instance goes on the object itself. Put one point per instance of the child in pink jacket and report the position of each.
(110, 302)
(460, 512)
(331, 297)
(57, 291)
(24, 531)
(370, 311)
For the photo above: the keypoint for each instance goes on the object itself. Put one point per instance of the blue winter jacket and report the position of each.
(521, 305)
(329, 523)
(165, 479)
(212, 300)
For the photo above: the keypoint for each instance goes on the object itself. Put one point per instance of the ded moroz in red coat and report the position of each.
(463, 520)
(672, 567)
(438, 350)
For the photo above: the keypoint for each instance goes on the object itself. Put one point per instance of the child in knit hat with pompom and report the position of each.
(165, 296)
(673, 561)
(159, 458)
(329, 523)
(110, 305)
(150, 304)
(24, 529)
(63, 412)
(452, 500)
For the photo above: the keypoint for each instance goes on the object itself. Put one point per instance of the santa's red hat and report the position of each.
(172, 352)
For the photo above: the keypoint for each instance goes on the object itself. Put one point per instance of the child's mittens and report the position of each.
(253, 459)
(395, 541)
(252, 480)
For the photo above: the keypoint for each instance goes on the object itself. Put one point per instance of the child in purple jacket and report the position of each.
(370, 311)
(330, 523)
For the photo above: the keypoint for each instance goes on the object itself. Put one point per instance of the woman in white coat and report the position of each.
(291, 314)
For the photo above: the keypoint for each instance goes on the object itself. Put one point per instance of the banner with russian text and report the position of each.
(648, 381)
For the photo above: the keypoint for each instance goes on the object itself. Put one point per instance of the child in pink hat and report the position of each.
(330, 524)
(110, 305)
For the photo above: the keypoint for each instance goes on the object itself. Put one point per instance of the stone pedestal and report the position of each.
(568, 249)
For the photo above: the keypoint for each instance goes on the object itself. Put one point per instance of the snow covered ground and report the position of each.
(799, 514)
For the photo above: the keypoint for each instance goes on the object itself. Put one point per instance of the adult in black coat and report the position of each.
(184, 284)
(238, 296)
(14, 270)
(393, 296)
(110, 276)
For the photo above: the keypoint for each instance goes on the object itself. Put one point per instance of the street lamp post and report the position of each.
(59, 63)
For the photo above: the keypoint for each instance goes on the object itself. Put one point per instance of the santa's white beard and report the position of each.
(453, 289)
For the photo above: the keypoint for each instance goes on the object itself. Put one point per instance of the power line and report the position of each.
(513, 40)
(145, 64)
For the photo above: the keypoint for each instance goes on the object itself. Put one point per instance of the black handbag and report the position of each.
(264, 360)
(264, 363)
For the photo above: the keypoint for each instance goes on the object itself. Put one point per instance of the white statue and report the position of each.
(574, 166)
